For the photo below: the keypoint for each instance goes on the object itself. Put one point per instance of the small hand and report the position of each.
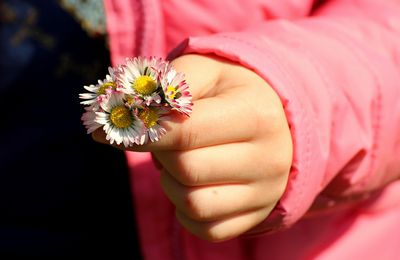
(226, 166)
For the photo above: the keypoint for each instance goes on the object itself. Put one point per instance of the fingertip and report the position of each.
(156, 162)
(99, 136)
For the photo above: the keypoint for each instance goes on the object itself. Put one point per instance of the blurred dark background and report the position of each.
(61, 194)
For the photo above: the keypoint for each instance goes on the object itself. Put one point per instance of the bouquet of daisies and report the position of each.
(133, 99)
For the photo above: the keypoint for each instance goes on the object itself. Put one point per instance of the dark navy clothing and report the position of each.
(61, 194)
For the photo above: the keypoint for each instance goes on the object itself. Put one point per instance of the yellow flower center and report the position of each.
(149, 117)
(129, 99)
(102, 88)
(171, 92)
(121, 117)
(144, 85)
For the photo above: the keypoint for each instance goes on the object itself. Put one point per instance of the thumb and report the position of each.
(202, 73)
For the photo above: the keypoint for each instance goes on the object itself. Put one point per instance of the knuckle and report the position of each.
(188, 136)
(280, 165)
(189, 175)
(195, 207)
(269, 118)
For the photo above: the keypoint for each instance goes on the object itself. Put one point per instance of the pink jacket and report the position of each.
(336, 67)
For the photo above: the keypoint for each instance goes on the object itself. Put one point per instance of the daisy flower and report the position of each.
(98, 91)
(176, 90)
(151, 118)
(89, 122)
(119, 122)
(139, 77)
(134, 99)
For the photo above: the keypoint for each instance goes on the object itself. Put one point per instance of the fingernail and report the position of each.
(98, 136)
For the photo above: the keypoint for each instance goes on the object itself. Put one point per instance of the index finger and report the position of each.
(211, 121)
(214, 121)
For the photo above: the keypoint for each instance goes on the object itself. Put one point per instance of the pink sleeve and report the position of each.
(153, 27)
(338, 76)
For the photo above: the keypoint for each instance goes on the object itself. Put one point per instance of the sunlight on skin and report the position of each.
(238, 126)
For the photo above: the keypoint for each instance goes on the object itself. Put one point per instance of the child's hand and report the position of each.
(227, 165)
